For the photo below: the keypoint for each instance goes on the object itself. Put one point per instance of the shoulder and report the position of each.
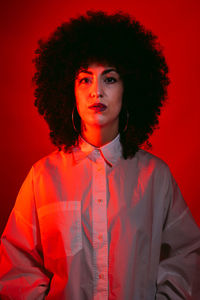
(155, 172)
(52, 162)
(145, 158)
(153, 165)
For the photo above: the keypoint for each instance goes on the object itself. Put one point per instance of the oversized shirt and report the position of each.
(90, 225)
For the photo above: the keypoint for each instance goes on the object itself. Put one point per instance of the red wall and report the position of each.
(24, 135)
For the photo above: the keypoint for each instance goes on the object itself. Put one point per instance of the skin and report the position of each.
(99, 93)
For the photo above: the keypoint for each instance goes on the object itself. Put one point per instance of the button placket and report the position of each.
(99, 212)
(100, 237)
(101, 276)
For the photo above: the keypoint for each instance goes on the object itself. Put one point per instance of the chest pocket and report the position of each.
(60, 226)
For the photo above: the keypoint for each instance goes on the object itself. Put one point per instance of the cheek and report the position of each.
(79, 94)
(79, 98)
(118, 99)
(80, 108)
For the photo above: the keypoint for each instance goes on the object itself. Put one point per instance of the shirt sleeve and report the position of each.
(179, 268)
(22, 272)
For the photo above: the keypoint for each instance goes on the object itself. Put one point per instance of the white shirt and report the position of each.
(90, 225)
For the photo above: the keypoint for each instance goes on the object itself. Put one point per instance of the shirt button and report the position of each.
(101, 276)
(100, 237)
(100, 200)
(99, 168)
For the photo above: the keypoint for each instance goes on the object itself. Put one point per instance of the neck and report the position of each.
(99, 136)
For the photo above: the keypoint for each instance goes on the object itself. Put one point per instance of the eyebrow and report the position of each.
(103, 73)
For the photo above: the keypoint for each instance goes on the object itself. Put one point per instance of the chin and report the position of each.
(98, 123)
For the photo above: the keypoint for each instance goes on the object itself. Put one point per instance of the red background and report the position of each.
(24, 135)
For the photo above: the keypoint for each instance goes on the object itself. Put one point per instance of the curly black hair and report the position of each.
(118, 40)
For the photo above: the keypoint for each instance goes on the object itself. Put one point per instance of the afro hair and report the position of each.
(118, 40)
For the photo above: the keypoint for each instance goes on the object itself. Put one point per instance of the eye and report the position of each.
(84, 80)
(110, 79)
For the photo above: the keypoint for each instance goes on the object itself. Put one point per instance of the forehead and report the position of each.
(97, 68)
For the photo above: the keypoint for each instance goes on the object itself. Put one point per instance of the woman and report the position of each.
(100, 218)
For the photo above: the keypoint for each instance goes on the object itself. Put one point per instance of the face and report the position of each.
(99, 92)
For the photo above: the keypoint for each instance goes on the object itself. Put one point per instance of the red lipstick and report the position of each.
(98, 107)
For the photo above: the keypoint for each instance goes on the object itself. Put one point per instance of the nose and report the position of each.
(97, 89)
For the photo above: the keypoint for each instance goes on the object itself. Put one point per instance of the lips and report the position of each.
(98, 107)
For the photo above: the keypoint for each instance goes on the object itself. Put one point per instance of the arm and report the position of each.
(22, 274)
(179, 268)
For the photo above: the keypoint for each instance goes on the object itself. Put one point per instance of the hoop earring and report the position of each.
(127, 118)
(73, 119)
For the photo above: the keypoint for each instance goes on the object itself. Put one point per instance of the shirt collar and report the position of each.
(111, 152)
